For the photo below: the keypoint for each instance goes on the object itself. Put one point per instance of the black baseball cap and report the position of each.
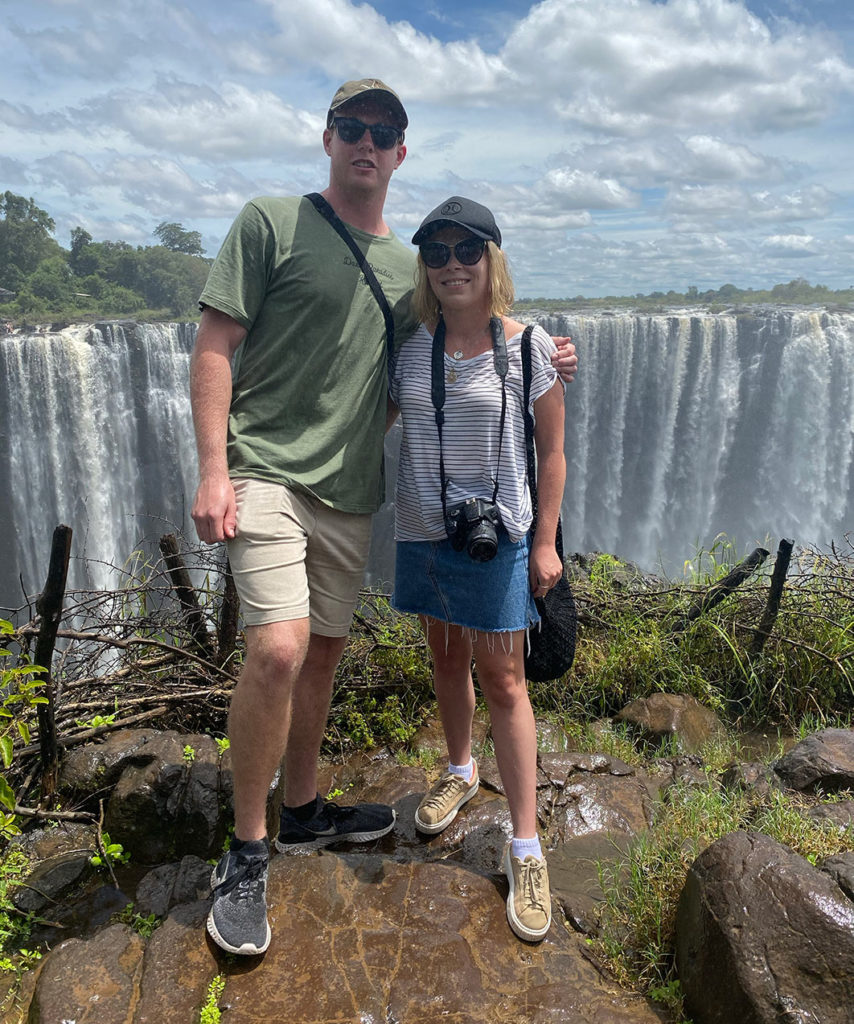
(463, 213)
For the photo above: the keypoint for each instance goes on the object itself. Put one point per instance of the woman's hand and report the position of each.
(544, 567)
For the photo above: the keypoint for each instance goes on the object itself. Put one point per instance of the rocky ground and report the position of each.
(409, 930)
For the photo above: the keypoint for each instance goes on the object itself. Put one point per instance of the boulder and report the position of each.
(823, 760)
(763, 937)
(662, 716)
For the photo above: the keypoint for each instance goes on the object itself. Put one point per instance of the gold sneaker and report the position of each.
(529, 902)
(440, 805)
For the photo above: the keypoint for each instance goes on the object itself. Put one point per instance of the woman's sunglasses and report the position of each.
(436, 254)
(351, 129)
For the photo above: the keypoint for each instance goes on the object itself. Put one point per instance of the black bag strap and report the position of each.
(529, 437)
(325, 210)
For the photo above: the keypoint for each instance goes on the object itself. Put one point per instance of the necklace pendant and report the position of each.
(451, 377)
(458, 354)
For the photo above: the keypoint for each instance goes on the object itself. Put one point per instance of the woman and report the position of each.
(469, 569)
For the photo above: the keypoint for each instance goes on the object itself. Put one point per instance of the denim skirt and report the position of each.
(431, 578)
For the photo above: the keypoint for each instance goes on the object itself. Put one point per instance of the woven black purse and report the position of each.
(551, 644)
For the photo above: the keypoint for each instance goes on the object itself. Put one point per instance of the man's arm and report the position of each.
(565, 361)
(219, 335)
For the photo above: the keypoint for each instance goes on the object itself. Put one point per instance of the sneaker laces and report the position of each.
(448, 782)
(244, 878)
(532, 882)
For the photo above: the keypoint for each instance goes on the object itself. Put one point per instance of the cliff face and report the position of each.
(679, 426)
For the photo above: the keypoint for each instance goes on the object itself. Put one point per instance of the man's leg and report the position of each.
(309, 712)
(257, 726)
(260, 714)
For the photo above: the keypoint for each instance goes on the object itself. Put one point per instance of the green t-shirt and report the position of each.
(308, 404)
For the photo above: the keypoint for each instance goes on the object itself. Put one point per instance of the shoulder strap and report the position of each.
(325, 210)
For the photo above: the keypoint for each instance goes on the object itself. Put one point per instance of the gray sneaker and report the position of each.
(440, 805)
(529, 902)
(237, 921)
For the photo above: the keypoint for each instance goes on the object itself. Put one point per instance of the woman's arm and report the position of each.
(545, 566)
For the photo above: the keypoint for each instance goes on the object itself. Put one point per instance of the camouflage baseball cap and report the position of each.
(368, 88)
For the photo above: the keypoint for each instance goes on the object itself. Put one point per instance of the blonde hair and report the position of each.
(426, 306)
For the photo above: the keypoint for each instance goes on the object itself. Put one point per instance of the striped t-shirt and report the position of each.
(469, 434)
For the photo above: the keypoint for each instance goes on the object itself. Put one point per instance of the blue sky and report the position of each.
(624, 146)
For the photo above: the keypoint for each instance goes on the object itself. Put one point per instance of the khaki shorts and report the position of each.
(294, 557)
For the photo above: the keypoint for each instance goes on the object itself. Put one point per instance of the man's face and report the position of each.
(362, 164)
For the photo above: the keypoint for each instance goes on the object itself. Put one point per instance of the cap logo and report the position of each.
(451, 208)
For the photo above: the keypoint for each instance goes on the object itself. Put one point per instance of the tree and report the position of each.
(24, 239)
(174, 237)
(83, 258)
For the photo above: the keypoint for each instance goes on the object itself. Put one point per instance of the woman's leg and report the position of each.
(451, 649)
(499, 658)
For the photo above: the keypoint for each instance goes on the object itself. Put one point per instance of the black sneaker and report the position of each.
(237, 921)
(333, 824)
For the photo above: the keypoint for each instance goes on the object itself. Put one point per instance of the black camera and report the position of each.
(474, 526)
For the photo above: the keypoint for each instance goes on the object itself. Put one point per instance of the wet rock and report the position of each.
(840, 814)
(685, 772)
(431, 737)
(52, 880)
(92, 981)
(177, 968)
(824, 760)
(663, 716)
(575, 880)
(763, 937)
(173, 884)
(841, 870)
(171, 804)
(98, 765)
(752, 777)
(392, 931)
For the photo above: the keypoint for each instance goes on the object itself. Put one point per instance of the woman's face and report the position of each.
(456, 285)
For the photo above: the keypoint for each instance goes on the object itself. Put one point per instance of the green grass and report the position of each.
(642, 890)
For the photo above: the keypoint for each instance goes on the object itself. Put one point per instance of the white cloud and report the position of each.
(790, 245)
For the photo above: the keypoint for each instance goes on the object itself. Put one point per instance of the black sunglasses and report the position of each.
(351, 129)
(437, 254)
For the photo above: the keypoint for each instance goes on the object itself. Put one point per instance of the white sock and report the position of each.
(464, 770)
(523, 848)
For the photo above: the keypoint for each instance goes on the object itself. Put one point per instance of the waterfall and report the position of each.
(679, 426)
(95, 432)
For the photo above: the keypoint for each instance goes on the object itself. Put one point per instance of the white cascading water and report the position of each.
(95, 432)
(680, 426)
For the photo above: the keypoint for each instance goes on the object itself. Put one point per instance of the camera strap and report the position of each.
(437, 393)
(325, 210)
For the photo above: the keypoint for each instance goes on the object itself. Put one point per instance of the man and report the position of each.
(290, 459)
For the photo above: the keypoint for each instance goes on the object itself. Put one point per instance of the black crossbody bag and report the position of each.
(551, 645)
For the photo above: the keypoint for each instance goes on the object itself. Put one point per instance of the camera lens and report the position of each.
(483, 542)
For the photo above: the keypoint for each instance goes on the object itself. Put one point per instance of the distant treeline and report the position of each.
(798, 292)
(40, 280)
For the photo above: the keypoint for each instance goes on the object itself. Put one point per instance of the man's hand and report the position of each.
(565, 361)
(215, 510)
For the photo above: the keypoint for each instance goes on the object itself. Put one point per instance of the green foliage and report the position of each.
(143, 926)
(796, 292)
(93, 279)
(174, 237)
(210, 1012)
(114, 853)
(14, 926)
(189, 754)
(18, 698)
(642, 890)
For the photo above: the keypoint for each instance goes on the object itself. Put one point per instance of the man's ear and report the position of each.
(327, 141)
(401, 153)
